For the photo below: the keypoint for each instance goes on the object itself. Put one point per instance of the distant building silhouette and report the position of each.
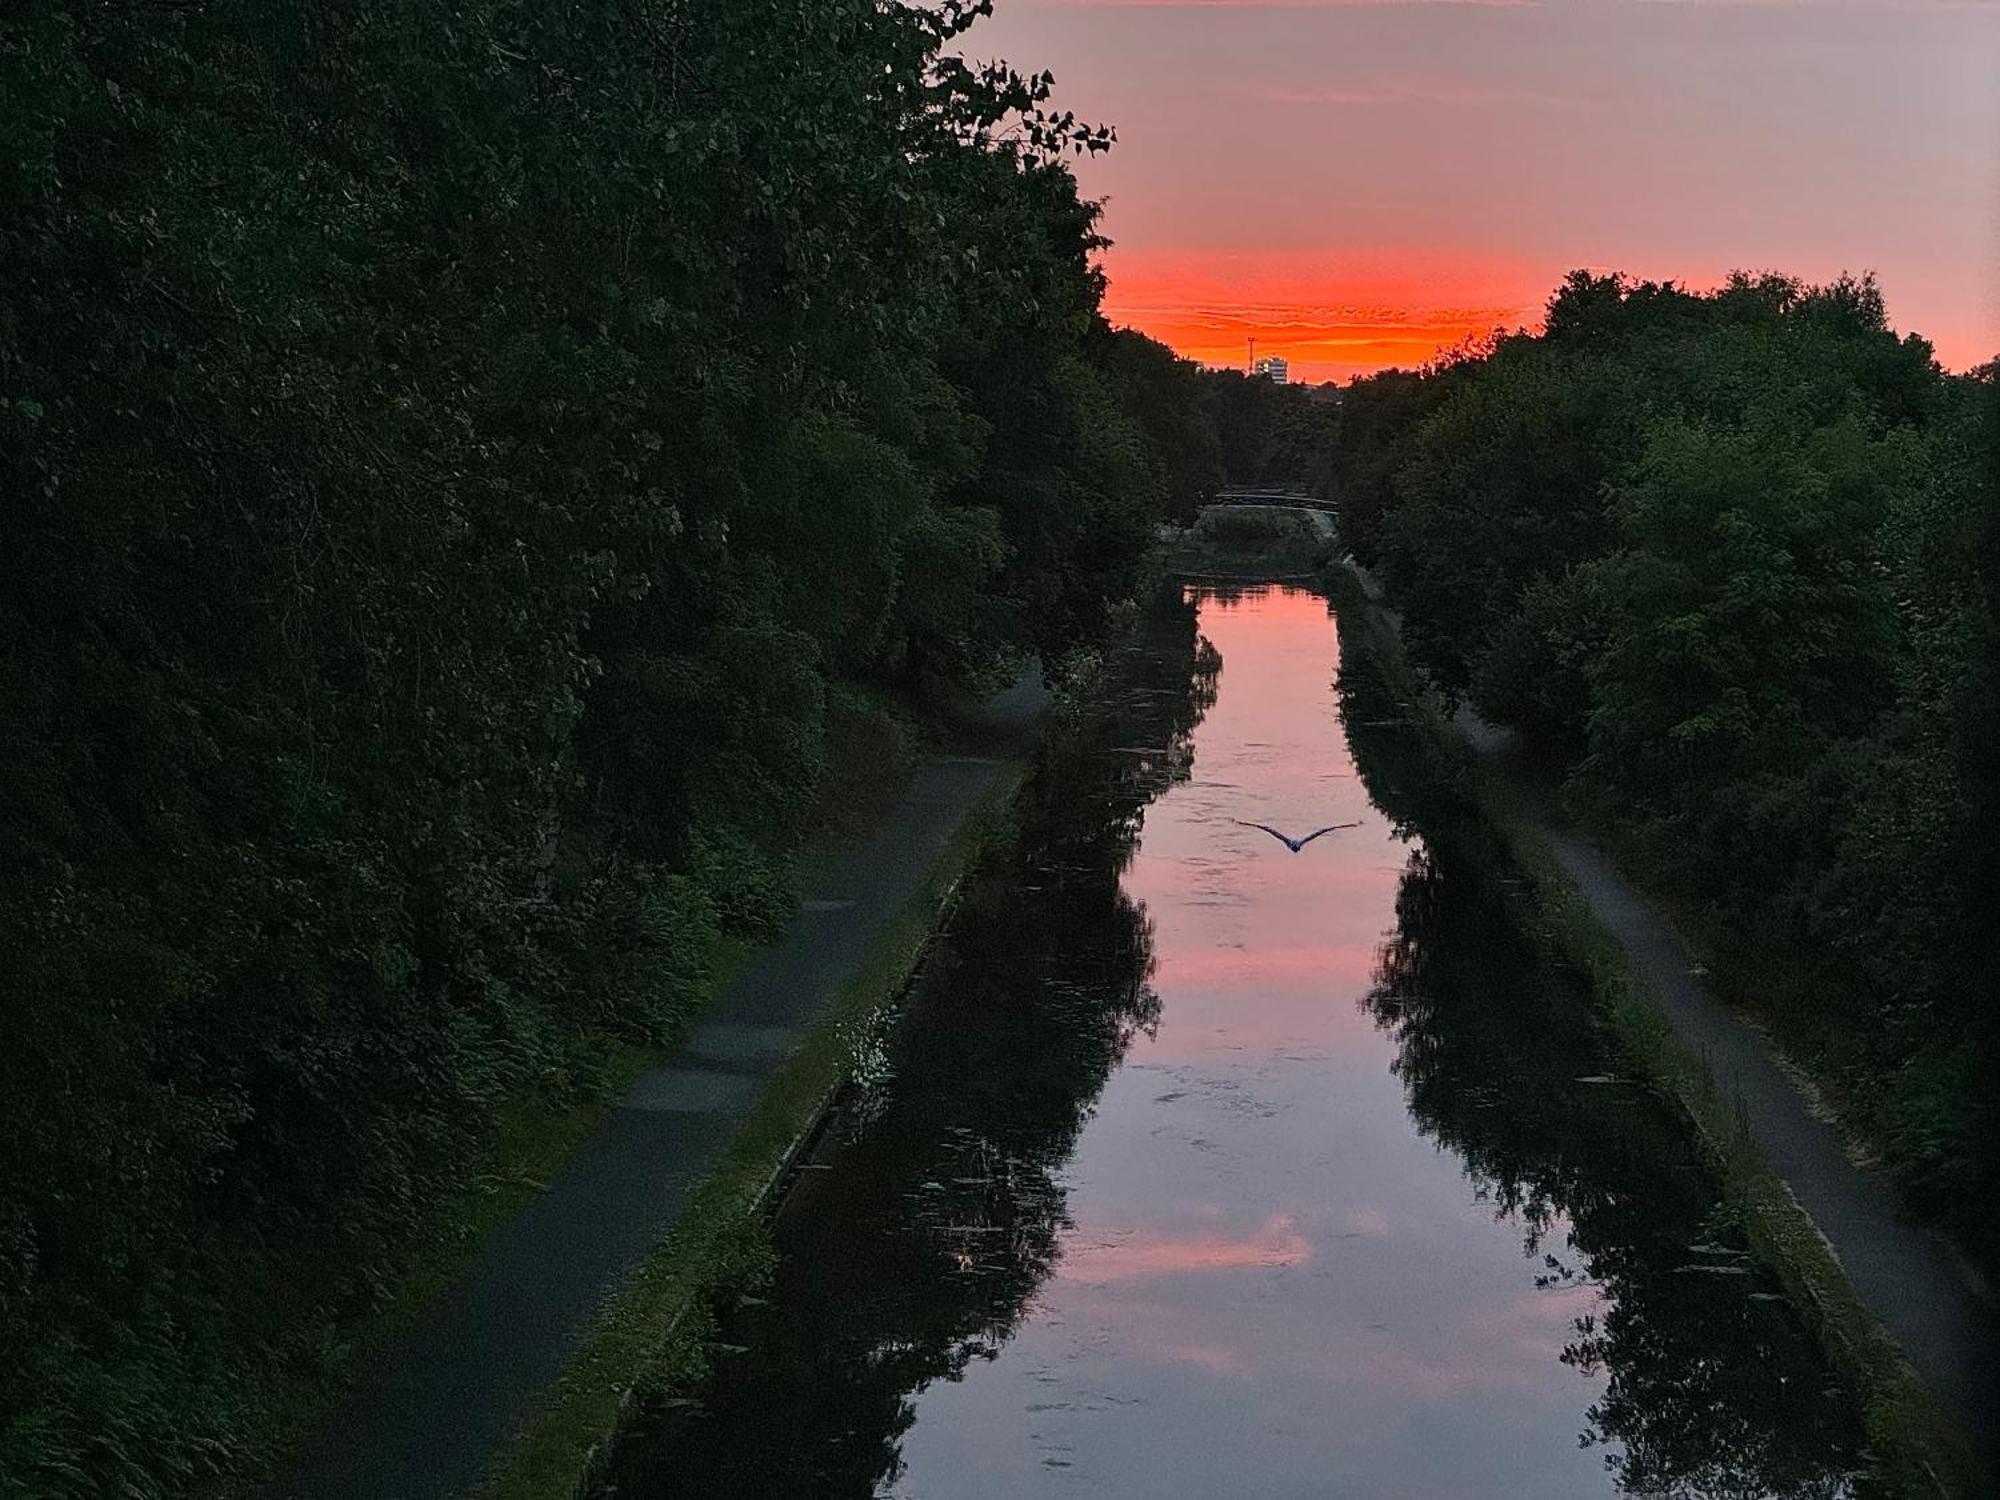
(1272, 367)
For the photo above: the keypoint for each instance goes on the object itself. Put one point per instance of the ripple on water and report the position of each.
(1198, 1173)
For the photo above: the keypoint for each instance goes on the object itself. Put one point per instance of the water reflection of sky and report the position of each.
(1273, 1284)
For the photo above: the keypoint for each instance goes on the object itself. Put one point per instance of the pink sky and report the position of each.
(1359, 183)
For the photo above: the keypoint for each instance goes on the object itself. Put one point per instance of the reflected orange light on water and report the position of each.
(1352, 962)
(1145, 1251)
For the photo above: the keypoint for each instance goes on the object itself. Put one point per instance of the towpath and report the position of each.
(1930, 1300)
(1926, 1296)
(425, 1422)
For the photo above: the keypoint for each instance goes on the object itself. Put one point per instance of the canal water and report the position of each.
(1198, 1167)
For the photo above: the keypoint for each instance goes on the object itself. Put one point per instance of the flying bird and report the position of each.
(1295, 845)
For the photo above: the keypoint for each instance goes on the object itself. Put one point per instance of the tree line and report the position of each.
(469, 469)
(1728, 562)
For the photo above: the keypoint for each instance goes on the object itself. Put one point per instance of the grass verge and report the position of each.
(1919, 1448)
(874, 745)
(654, 1329)
(530, 1140)
(1253, 542)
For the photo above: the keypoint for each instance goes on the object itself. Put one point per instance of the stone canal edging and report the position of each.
(521, 1366)
(1896, 1310)
(600, 1457)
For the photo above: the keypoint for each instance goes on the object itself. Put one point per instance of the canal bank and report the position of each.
(508, 1378)
(1898, 1312)
(1195, 1165)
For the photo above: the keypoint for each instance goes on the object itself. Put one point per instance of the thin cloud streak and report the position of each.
(1326, 350)
(1297, 5)
(1437, 91)
(1326, 5)
(1332, 313)
(1285, 5)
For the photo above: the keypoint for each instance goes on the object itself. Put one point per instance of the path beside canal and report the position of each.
(425, 1423)
(1928, 1298)
(1198, 1166)
(1923, 1292)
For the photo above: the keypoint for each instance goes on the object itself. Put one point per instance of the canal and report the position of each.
(1194, 1166)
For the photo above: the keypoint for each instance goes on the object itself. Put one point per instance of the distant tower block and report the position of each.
(1253, 354)
(1272, 367)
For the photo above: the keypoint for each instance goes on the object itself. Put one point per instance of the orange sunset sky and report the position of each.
(1359, 183)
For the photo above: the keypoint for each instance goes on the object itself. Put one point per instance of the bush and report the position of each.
(1726, 559)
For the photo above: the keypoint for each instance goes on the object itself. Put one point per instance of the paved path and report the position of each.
(1927, 1297)
(1322, 511)
(1934, 1305)
(424, 1424)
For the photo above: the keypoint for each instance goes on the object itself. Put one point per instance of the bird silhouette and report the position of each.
(1295, 845)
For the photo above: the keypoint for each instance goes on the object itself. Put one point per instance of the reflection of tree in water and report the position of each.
(917, 1251)
(1713, 1389)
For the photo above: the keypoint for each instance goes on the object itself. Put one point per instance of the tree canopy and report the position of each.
(1728, 560)
(463, 465)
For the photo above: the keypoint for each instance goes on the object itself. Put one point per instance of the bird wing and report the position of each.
(1281, 838)
(1330, 828)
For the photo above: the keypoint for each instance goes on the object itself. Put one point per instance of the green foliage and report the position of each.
(1534, 670)
(1726, 559)
(1268, 433)
(1510, 466)
(1172, 400)
(452, 457)
(1744, 631)
(1372, 430)
(1247, 541)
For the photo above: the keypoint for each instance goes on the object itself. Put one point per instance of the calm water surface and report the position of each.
(1197, 1167)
